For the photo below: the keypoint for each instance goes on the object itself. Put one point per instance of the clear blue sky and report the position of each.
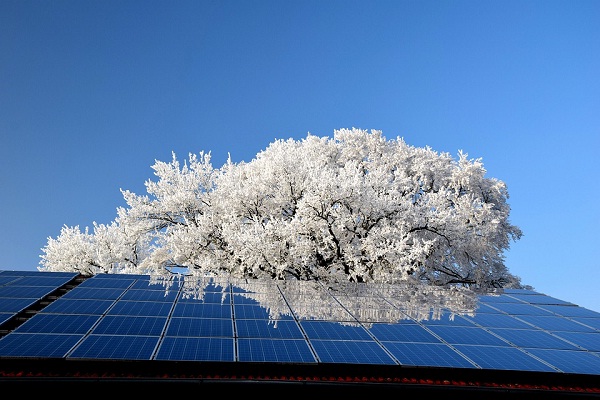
(93, 92)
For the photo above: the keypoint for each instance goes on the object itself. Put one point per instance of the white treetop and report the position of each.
(355, 207)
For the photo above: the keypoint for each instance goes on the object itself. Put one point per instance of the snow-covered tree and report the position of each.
(356, 207)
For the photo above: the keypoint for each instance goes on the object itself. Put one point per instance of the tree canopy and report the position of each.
(355, 207)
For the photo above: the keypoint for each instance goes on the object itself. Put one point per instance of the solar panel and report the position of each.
(58, 323)
(196, 349)
(264, 328)
(532, 338)
(334, 330)
(123, 347)
(200, 327)
(46, 345)
(93, 293)
(427, 354)
(466, 335)
(407, 332)
(13, 291)
(137, 317)
(77, 306)
(351, 351)
(267, 350)
(504, 358)
(141, 308)
(579, 362)
(130, 325)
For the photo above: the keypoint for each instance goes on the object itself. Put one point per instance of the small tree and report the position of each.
(354, 207)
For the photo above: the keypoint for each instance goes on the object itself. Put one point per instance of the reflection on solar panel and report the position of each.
(136, 317)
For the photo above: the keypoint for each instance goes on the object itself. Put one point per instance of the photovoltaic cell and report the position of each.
(355, 352)
(208, 297)
(245, 311)
(532, 338)
(555, 323)
(196, 349)
(81, 306)
(499, 321)
(15, 305)
(263, 328)
(578, 362)
(402, 333)
(139, 318)
(274, 350)
(58, 323)
(521, 309)
(466, 335)
(46, 345)
(14, 291)
(149, 295)
(590, 322)
(141, 308)
(504, 358)
(571, 311)
(130, 325)
(334, 330)
(588, 341)
(200, 327)
(427, 354)
(107, 283)
(123, 347)
(540, 299)
(202, 310)
(93, 293)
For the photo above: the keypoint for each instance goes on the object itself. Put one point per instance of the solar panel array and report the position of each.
(138, 317)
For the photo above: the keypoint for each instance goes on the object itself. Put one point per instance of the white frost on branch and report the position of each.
(356, 207)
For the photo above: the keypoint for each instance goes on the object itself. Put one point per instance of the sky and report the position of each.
(93, 92)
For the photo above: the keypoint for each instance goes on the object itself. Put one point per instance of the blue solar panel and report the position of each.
(196, 349)
(263, 328)
(93, 293)
(532, 338)
(276, 350)
(571, 311)
(466, 335)
(521, 309)
(78, 306)
(130, 325)
(578, 362)
(499, 321)
(555, 323)
(200, 327)
(246, 311)
(589, 322)
(540, 299)
(588, 341)
(15, 305)
(136, 317)
(208, 297)
(141, 308)
(5, 280)
(504, 358)
(355, 352)
(46, 345)
(149, 295)
(14, 291)
(427, 354)
(334, 330)
(107, 283)
(116, 347)
(5, 317)
(407, 332)
(202, 310)
(58, 323)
